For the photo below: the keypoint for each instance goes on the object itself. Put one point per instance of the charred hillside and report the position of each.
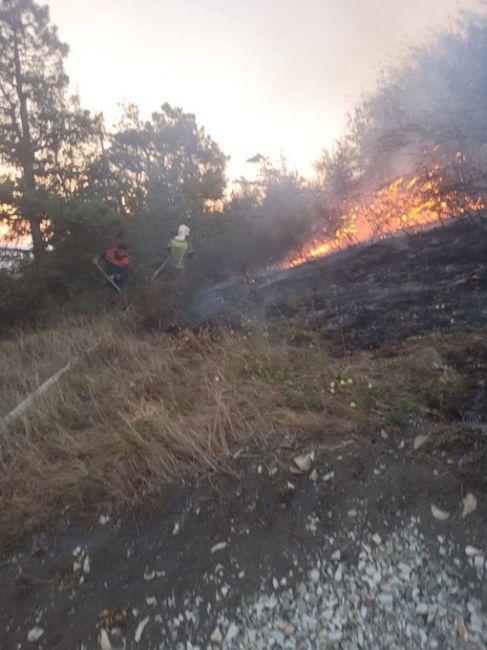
(367, 295)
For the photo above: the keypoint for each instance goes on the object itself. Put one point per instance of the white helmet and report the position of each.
(183, 232)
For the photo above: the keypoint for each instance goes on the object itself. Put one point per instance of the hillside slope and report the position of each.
(311, 479)
(387, 291)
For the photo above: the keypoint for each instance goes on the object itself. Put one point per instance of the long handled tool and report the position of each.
(163, 265)
(43, 388)
(108, 278)
(24, 405)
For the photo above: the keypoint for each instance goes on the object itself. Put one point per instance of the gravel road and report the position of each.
(398, 593)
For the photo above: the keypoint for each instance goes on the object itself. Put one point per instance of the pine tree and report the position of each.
(33, 87)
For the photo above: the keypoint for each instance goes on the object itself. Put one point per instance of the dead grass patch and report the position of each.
(141, 410)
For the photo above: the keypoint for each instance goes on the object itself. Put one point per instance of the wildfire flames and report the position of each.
(406, 204)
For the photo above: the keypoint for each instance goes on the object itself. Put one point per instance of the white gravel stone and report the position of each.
(315, 575)
(438, 513)
(471, 551)
(218, 547)
(386, 599)
(394, 595)
(232, 632)
(469, 505)
(35, 634)
(149, 575)
(216, 636)
(338, 574)
(140, 629)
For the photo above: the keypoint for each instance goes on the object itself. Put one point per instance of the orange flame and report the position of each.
(406, 204)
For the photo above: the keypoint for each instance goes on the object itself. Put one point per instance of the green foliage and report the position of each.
(261, 223)
(33, 82)
(43, 133)
(77, 187)
(168, 165)
(400, 413)
(24, 295)
(7, 188)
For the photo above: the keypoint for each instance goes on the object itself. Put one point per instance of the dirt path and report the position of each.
(188, 567)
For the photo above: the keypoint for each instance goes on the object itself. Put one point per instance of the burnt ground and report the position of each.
(366, 296)
(157, 560)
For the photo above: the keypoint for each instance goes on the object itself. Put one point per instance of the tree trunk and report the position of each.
(38, 245)
(27, 151)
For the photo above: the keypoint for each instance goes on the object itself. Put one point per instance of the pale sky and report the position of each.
(262, 76)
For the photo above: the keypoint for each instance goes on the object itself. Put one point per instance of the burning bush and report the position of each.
(406, 204)
(415, 150)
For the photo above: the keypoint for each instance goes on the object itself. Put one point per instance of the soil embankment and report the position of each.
(371, 536)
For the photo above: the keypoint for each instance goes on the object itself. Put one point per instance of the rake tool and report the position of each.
(107, 277)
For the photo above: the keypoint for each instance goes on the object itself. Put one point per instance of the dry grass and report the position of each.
(29, 358)
(136, 411)
(139, 410)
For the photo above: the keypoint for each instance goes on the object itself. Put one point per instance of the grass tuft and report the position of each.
(139, 410)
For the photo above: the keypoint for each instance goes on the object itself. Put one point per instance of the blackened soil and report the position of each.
(365, 296)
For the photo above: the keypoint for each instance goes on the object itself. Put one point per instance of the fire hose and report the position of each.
(163, 265)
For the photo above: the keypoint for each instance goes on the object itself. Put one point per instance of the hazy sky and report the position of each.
(261, 75)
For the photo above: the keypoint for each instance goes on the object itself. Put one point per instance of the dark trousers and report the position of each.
(113, 298)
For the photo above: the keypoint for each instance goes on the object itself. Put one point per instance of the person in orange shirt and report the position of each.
(116, 264)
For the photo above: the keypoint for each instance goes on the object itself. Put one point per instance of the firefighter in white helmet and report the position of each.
(180, 249)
